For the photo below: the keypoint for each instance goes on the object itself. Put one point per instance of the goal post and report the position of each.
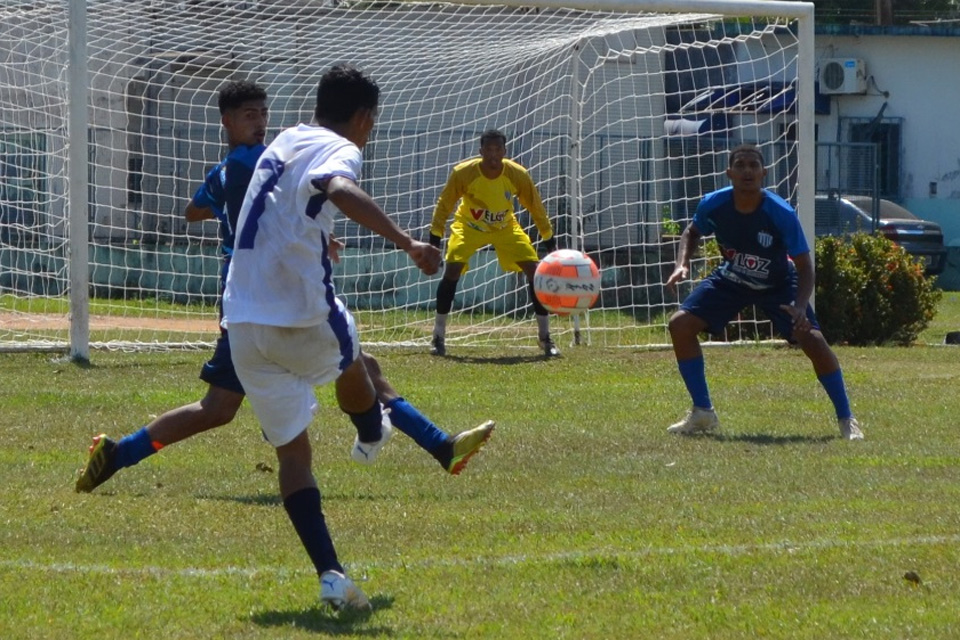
(623, 112)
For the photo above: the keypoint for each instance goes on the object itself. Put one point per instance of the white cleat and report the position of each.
(850, 429)
(339, 591)
(697, 420)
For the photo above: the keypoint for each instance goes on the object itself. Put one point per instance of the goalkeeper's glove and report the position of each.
(435, 240)
(549, 245)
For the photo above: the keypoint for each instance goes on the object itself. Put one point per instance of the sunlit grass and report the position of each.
(581, 519)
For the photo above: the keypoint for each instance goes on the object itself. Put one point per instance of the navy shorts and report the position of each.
(717, 301)
(218, 370)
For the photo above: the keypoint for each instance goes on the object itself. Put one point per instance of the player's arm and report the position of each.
(689, 240)
(529, 198)
(446, 204)
(806, 279)
(208, 200)
(786, 220)
(193, 213)
(356, 204)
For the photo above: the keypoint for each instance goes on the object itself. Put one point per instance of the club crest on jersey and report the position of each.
(765, 239)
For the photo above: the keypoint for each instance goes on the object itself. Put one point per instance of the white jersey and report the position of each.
(281, 273)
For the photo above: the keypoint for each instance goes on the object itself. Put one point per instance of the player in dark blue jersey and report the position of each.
(244, 114)
(765, 262)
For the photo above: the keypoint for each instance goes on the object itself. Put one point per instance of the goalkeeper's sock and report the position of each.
(538, 309)
(405, 417)
(694, 377)
(135, 447)
(440, 325)
(446, 290)
(543, 326)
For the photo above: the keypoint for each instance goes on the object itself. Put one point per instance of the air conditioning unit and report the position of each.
(842, 75)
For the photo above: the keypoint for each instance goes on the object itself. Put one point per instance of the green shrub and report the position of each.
(871, 292)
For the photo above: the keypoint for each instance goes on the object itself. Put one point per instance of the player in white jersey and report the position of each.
(289, 331)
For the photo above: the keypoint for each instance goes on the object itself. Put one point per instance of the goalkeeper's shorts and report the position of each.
(512, 245)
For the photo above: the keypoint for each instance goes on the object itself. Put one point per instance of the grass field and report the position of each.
(581, 519)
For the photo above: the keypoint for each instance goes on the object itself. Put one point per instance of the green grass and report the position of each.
(581, 519)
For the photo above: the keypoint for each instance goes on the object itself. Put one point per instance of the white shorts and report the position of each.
(279, 368)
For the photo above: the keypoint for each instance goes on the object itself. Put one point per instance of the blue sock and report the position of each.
(833, 384)
(405, 417)
(694, 376)
(133, 448)
(303, 509)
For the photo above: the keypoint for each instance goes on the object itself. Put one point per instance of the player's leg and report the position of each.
(461, 245)
(515, 252)
(709, 306)
(452, 452)
(218, 407)
(279, 368)
(544, 340)
(826, 366)
(446, 291)
(302, 502)
(357, 397)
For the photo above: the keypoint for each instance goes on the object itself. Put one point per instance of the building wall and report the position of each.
(916, 77)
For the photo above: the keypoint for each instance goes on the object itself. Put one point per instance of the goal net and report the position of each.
(623, 113)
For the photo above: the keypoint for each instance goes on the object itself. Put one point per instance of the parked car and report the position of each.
(835, 216)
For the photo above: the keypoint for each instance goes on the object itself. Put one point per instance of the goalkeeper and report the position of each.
(244, 114)
(485, 188)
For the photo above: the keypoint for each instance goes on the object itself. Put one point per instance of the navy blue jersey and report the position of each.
(224, 188)
(754, 247)
(241, 162)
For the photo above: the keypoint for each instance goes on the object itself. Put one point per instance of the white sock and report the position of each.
(440, 325)
(543, 326)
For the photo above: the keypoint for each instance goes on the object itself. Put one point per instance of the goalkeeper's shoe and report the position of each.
(549, 348)
(438, 346)
(339, 591)
(467, 443)
(101, 464)
(697, 420)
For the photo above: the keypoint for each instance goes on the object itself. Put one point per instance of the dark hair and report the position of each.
(235, 93)
(492, 134)
(745, 148)
(343, 90)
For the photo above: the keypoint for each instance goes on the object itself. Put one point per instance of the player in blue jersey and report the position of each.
(244, 115)
(765, 262)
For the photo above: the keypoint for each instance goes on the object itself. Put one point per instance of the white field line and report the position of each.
(358, 569)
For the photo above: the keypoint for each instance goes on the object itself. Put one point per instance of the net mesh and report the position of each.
(624, 121)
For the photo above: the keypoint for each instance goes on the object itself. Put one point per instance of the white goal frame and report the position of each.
(79, 121)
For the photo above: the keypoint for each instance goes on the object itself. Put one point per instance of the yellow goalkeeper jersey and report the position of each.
(485, 204)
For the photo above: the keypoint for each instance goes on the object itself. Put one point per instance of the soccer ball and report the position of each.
(566, 282)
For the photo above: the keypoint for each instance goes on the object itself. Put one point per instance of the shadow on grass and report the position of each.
(272, 500)
(503, 360)
(767, 439)
(322, 619)
(259, 500)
